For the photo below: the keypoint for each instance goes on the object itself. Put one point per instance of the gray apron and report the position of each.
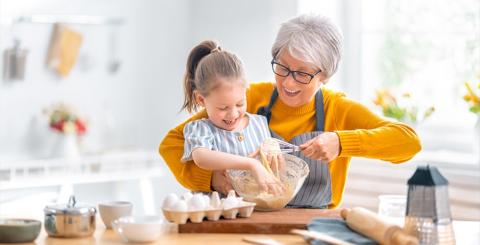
(316, 191)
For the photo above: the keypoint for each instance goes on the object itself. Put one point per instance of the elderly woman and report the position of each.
(329, 127)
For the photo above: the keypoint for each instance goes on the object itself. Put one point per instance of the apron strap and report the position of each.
(319, 109)
(266, 110)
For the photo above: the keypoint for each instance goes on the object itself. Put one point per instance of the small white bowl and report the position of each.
(140, 228)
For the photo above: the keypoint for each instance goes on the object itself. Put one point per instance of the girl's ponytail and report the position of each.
(189, 85)
(206, 63)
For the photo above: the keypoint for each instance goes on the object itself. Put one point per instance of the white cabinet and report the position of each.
(138, 176)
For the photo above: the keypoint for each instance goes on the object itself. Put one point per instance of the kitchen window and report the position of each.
(426, 49)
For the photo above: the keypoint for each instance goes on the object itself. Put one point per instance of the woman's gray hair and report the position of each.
(310, 38)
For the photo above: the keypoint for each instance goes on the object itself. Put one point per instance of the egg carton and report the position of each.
(198, 207)
(179, 217)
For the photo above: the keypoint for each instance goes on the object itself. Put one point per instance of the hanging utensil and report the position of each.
(114, 63)
(14, 62)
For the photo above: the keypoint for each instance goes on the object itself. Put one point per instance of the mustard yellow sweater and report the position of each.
(361, 132)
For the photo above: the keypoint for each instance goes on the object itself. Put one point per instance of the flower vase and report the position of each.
(66, 146)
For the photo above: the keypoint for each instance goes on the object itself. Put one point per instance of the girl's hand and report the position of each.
(265, 180)
(275, 161)
(221, 182)
(325, 146)
(277, 164)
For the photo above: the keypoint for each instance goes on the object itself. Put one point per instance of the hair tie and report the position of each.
(192, 83)
(217, 49)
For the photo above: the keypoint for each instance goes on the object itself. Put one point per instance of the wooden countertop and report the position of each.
(466, 232)
(109, 237)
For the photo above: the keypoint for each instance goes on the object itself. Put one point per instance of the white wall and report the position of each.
(149, 45)
(136, 106)
(246, 28)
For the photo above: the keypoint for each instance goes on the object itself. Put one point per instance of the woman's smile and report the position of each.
(291, 93)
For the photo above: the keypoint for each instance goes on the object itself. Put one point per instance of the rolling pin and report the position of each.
(369, 224)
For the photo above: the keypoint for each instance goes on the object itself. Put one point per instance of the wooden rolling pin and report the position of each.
(369, 224)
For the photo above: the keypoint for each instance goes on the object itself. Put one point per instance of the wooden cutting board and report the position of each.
(275, 222)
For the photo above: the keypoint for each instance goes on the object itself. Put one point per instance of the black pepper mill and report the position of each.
(428, 214)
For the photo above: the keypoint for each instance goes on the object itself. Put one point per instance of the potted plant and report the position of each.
(401, 107)
(472, 97)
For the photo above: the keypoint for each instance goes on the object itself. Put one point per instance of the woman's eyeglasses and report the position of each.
(298, 76)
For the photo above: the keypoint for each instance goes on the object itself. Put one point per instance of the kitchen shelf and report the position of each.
(70, 19)
(87, 169)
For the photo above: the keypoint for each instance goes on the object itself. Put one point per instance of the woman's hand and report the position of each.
(325, 146)
(221, 182)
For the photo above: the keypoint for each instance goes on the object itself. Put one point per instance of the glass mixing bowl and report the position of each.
(291, 178)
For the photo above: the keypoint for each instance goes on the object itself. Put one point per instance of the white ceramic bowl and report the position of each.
(110, 211)
(140, 228)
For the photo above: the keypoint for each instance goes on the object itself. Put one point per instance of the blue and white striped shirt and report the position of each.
(202, 133)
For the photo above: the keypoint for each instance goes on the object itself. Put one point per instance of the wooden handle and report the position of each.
(401, 237)
(369, 224)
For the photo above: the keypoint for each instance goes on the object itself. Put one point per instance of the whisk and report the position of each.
(286, 147)
(270, 150)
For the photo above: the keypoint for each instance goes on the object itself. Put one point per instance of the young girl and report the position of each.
(214, 79)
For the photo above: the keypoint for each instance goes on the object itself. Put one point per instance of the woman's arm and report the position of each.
(187, 174)
(364, 134)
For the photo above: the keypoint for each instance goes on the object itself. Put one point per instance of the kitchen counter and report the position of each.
(466, 232)
(108, 237)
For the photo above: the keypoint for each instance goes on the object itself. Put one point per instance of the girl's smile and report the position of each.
(226, 105)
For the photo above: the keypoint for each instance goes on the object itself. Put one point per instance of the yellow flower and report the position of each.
(69, 127)
(467, 97)
(472, 96)
(384, 98)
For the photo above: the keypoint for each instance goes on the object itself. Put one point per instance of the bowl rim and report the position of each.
(144, 220)
(26, 222)
(115, 204)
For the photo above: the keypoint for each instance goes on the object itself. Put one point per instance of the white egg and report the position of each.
(180, 206)
(169, 201)
(230, 202)
(231, 193)
(239, 200)
(187, 196)
(197, 202)
(206, 201)
(215, 200)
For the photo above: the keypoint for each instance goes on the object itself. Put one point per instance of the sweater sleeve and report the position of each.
(364, 134)
(187, 174)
